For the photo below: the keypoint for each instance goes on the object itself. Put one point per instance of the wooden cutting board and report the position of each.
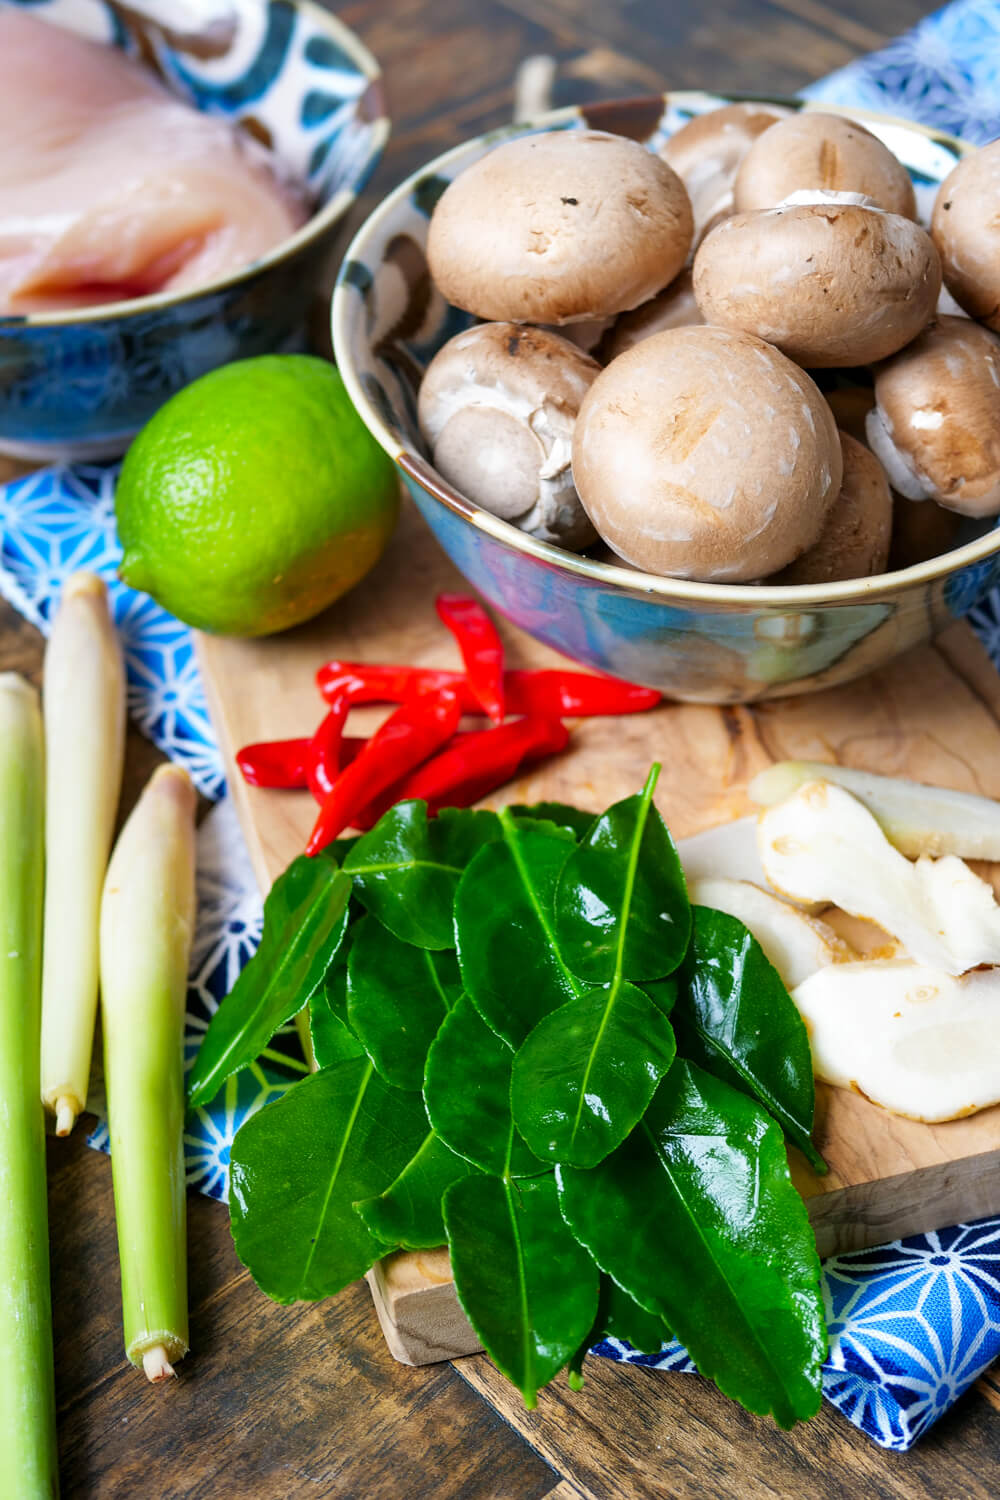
(934, 716)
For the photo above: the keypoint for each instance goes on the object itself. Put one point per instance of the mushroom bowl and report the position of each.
(77, 384)
(698, 641)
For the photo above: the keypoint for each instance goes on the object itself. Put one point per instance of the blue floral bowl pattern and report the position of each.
(710, 643)
(79, 384)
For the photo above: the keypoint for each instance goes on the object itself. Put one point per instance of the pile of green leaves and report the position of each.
(531, 1048)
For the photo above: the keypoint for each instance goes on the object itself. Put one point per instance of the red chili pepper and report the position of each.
(408, 736)
(551, 693)
(574, 695)
(275, 763)
(472, 765)
(481, 648)
(379, 682)
(326, 749)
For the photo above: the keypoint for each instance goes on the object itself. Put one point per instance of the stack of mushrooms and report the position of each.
(639, 376)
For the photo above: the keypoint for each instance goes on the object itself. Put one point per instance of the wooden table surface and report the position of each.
(286, 1402)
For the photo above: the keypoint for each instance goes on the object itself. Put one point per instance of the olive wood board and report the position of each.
(933, 715)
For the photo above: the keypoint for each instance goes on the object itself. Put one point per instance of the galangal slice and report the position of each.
(917, 1041)
(821, 844)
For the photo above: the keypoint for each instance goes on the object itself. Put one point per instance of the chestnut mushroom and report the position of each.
(497, 407)
(830, 283)
(826, 152)
(704, 453)
(674, 307)
(854, 541)
(706, 154)
(966, 229)
(920, 531)
(560, 227)
(936, 422)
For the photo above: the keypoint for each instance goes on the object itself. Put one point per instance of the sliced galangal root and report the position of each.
(916, 1040)
(821, 844)
(915, 819)
(796, 944)
(730, 851)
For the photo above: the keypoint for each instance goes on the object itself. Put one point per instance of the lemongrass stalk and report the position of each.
(147, 918)
(84, 707)
(27, 1398)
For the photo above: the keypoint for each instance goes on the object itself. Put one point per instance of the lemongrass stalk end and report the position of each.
(157, 1366)
(83, 583)
(66, 1113)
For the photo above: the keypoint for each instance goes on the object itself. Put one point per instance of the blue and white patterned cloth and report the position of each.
(911, 1324)
(53, 523)
(944, 73)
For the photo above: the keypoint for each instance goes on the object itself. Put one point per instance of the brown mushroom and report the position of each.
(813, 150)
(706, 154)
(854, 541)
(829, 283)
(966, 230)
(559, 227)
(497, 407)
(936, 423)
(850, 405)
(920, 530)
(703, 453)
(674, 307)
(586, 336)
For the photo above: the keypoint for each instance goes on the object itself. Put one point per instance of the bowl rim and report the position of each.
(418, 469)
(316, 225)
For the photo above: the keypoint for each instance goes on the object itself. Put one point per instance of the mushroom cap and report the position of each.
(559, 228)
(707, 151)
(674, 307)
(497, 407)
(854, 541)
(837, 283)
(829, 152)
(703, 453)
(966, 229)
(936, 423)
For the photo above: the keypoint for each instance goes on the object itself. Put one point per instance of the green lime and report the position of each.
(255, 497)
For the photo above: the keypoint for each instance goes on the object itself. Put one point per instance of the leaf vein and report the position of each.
(713, 1259)
(339, 1162)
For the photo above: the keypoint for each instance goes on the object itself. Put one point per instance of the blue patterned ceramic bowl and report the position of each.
(79, 384)
(712, 643)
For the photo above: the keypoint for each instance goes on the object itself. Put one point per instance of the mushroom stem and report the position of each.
(533, 84)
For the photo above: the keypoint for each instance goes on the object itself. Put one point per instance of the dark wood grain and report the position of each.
(271, 1402)
(277, 1402)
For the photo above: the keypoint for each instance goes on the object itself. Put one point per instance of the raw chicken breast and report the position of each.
(111, 188)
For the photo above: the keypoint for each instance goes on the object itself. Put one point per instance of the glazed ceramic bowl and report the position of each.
(79, 384)
(713, 643)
